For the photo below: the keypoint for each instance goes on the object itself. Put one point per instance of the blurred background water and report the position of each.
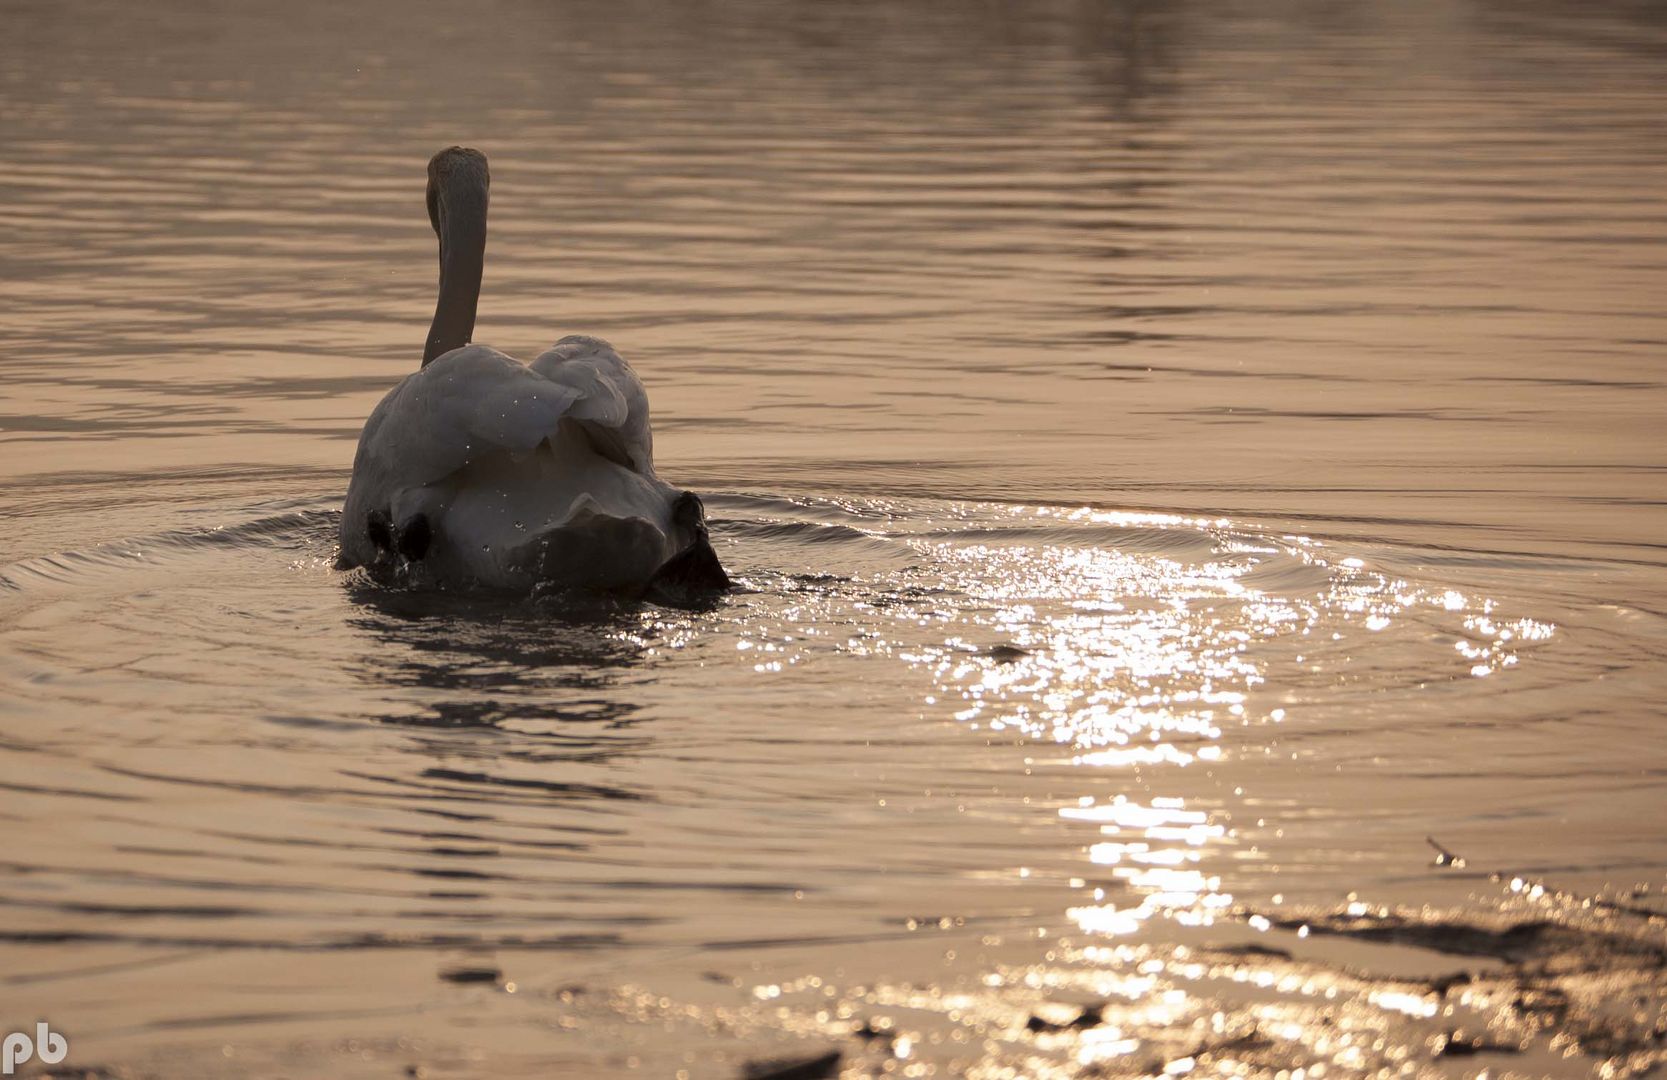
(1177, 457)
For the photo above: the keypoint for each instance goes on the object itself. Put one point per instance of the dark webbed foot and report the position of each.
(695, 569)
(414, 537)
(409, 539)
(380, 528)
(689, 513)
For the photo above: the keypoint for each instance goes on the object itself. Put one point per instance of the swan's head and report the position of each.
(457, 176)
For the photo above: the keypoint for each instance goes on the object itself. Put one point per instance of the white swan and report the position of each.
(480, 470)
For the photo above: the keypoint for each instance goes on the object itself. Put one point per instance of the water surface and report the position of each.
(1193, 474)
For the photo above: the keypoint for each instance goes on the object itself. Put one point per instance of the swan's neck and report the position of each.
(462, 228)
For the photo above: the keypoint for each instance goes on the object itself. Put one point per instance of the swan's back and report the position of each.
(516, 474)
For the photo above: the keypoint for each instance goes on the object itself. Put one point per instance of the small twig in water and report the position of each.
(1443, 857)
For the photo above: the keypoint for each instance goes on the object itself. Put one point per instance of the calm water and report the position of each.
(1177, 458)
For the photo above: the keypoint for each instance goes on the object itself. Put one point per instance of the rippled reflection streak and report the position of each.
(1136, 662)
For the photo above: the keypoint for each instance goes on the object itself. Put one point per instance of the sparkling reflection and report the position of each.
(1138, 659)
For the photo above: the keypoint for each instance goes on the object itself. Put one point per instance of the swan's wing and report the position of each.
(468, 403)
(611, 405)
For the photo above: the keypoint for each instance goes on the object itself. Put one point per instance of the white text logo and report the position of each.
(17, 1048)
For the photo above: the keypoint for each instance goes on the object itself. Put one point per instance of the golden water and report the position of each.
(1175, 458)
